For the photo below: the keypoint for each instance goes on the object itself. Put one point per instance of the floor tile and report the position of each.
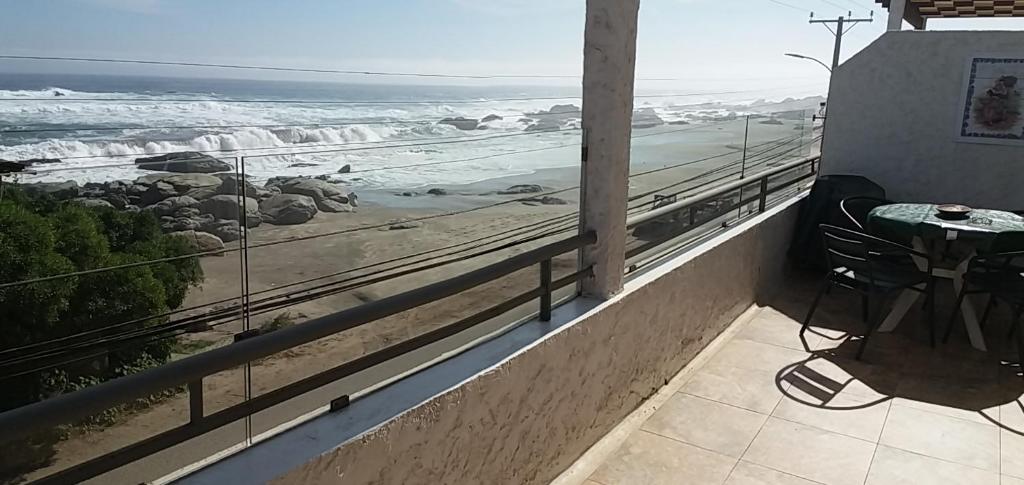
(893, 466)
(747, 473)
(749, 389)
(751, 355)
(938, 436)
(1008, 480)
(1011, 451)
(708, 424)
(648, 459)
(970, 399)
(1011, 414)
(847, 413)
(773, 327)
(836, 375)
(811, 453)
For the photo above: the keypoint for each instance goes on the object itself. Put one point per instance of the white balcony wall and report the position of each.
(894, 114)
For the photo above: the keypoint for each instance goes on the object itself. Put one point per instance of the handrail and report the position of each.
(707, 195)
(78, 405)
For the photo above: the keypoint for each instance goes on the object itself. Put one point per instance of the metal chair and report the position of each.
(856, 210)
(1001, 276)
(873, 268)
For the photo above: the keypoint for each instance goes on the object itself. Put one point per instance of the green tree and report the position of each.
(41, 238)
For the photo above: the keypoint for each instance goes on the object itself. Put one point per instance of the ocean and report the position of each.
(391, 136)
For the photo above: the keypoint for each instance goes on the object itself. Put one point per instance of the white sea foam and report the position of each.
(270, 134)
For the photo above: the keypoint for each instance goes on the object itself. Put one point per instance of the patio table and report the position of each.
(920, 224)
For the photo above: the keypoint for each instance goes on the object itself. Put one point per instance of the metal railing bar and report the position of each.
(712, 193)
(69, 408)
(172, 437)
(696, 220)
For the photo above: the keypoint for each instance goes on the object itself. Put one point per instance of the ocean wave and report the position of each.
(245, 139)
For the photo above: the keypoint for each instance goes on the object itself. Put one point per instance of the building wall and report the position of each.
(531, 416)
(894, 110)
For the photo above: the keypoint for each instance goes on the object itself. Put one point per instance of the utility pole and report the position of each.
(841, 28)
(841, 24)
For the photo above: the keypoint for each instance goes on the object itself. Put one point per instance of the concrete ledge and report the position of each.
(523, 407)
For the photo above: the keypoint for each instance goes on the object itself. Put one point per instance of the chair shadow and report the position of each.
(898, 365)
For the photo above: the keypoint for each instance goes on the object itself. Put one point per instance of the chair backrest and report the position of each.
(865, 254)
(856, 209)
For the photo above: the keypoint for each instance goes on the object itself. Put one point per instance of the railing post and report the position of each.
(764, 195)
(545, 290)
(195, 401)
(693, 215)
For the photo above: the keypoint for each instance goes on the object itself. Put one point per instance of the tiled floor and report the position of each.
(772, 408)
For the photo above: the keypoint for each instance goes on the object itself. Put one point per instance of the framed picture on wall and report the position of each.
(992, 110)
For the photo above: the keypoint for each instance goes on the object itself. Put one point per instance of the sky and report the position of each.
(709, 43)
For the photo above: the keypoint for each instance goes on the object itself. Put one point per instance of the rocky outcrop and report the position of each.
(57, 190)
(200, 241)
(173, 205)
(226, 230)
(183, 162)
(328, 197)
(227, 207)
(94, 203)
(437, 191)
(491, 117)
(546, 200)
(560, 110)
(156, 193)
(646, 118)
(345, 169)
(229, 186)
(182, 182)
(288, 209)
(401, 224)
(465, 124)
(544, 125)
(771, 121)
(522, 189)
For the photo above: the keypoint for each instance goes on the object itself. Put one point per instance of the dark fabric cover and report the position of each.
(822, 207)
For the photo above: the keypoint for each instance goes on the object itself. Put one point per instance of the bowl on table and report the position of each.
(953, 211)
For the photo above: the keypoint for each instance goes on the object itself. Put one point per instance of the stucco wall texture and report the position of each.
(531, 417)
(894, 112)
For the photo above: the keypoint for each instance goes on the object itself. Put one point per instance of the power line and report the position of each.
(388, 101)
(314, 70)
(788, 5)
(288, 69)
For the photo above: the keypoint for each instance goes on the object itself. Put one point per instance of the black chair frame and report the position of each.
(862, 263)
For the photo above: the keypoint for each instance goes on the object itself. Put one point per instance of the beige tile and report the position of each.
(707, 424)
(773, 327)
(591, 482)
(893, 466)
(1008, 480)
(823, 377)
(1011, 414)
(751, 355)
(646, 458)
(1012, 453)
(938, 436)
(747, 473)
(847, 413)
(749, 389)
(970, 399)
(811, 453)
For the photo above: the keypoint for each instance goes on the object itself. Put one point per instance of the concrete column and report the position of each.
(896, 10)
(609, 60)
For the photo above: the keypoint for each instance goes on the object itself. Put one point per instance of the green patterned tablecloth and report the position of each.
(901, 222)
